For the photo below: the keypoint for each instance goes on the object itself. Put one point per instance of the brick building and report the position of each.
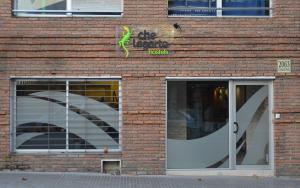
(206, 87)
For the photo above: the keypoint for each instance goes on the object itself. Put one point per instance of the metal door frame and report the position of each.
(233, 169)
(232, 119)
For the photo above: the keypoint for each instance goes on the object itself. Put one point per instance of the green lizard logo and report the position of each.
(127, 33)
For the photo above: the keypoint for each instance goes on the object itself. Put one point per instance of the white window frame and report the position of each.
(61, 13)
(66, 150)
(219, 10)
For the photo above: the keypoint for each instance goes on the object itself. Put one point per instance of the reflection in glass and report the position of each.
(192, 7)
(229, 7)
(94, 114)
(78, 7)
(97, 6)
(202, 107)
(41, 4)
(252, 7)
(46, 110)
(40, 121)
(197, 124)
(252, 107)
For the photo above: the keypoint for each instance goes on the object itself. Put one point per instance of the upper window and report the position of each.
(219, 7)
(66, 115)
(67, 7)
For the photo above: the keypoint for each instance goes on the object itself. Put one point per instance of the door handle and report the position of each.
(237, 127)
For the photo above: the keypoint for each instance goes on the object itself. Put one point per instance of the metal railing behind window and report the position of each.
(219, 8)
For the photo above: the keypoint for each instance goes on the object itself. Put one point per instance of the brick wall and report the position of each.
(204, 47)
(287, 129)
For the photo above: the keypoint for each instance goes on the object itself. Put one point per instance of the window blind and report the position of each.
(67, 115)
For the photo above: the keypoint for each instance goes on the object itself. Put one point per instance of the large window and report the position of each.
(197, 124)
(219, 7)
(218, 124)
(67, 7)
(66, 115)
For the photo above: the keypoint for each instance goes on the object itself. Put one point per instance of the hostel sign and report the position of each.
(145, 40)
(127, 33)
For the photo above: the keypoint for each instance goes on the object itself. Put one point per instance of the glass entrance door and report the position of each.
(218, 124)
(251, 124)
(197, 125)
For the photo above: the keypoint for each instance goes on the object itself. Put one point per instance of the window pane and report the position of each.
(192, 7)
(80, 7)
(40, 115)
(197, 125)
(29, 6)
(246, 7)
(252, 111)
(93, 115)
(41, 4)
(113, 7)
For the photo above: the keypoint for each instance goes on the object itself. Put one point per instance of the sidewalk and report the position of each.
(77, 180)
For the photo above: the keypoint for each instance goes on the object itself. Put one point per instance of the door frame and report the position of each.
(232, 118)
(233, 169)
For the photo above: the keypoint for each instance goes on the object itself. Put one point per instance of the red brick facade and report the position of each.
(205, 47)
